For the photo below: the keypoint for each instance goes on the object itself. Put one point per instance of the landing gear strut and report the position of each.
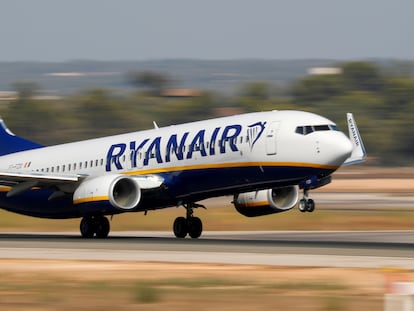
(190, 225)
(94, 226)
(306, 204)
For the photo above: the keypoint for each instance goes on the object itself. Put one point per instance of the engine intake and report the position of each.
(121, 191)
(266, 202)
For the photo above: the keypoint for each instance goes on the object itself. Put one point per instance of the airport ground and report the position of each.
(375, 199)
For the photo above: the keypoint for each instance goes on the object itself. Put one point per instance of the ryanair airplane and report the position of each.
(260, 159)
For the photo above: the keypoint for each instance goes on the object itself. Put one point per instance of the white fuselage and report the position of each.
(264, 138)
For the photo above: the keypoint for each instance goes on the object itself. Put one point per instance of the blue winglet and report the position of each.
(10, 143)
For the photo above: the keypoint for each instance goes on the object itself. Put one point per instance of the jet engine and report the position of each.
(121, 191)
(266, 202)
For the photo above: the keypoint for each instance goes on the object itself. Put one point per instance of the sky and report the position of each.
(58, 30)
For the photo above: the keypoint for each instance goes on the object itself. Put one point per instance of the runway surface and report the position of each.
(279, 248)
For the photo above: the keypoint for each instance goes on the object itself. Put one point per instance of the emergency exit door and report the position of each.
(271, 138)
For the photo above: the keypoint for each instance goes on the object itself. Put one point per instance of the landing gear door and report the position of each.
(271, 138)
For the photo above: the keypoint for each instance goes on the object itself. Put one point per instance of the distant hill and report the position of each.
(224, 76)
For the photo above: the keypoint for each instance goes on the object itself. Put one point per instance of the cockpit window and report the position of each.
(299, 130)
(307, 129)
(321, 128)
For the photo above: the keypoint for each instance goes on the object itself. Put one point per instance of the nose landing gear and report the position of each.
(190, 225)
(306, 204)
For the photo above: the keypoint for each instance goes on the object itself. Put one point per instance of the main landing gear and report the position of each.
(306, 204)
(94, 226)
(190, 225)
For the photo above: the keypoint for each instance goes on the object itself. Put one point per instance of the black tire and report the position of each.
(180, 227)
(303, 205)
(195, 227)
(102, 227)
(310, 205)
(87, 227)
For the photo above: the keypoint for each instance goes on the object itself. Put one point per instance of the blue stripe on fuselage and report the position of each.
(186, 186)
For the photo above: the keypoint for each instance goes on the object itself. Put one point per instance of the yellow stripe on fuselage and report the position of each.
(231, 165)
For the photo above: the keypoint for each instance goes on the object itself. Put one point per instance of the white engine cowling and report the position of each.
(266, 202)
(121, 191)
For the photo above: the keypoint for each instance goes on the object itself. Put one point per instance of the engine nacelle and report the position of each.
(121, 191)
(266, 202)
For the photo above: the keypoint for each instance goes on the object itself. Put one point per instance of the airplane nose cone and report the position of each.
(342, 149)
(335, 149)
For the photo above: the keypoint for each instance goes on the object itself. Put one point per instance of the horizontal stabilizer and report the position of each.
(358, 150)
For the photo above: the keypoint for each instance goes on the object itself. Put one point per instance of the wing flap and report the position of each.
(42, 178)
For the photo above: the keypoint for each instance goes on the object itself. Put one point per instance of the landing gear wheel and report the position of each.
(91, 226)
(180, 227)
(306, 204)
(87, 227)
(310, 205)
(302, 205)
(189, 225)
(102, 227)
(195, 227)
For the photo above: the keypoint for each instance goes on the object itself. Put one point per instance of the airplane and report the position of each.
(261, 159)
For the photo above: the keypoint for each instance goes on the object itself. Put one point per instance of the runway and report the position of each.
(358, 249)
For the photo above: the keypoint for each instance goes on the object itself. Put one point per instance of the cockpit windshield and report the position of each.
(307, 129)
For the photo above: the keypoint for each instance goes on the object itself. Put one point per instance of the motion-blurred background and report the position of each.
(76, 70)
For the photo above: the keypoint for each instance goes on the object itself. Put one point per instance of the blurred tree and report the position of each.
(26, 116)
(257, 90)
(317, 88)
(156, 82)
(101, 112)
(398, 93)
(361, 76)
(402, 131)
(25, 91)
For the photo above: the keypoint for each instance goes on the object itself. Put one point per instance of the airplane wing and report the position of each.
(14, 177)
(19, 182)
(358, 149)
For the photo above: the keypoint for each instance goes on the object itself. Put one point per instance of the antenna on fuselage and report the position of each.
(155, 125)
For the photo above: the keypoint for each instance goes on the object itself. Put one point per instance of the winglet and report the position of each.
(358, 150)
(10, 143)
